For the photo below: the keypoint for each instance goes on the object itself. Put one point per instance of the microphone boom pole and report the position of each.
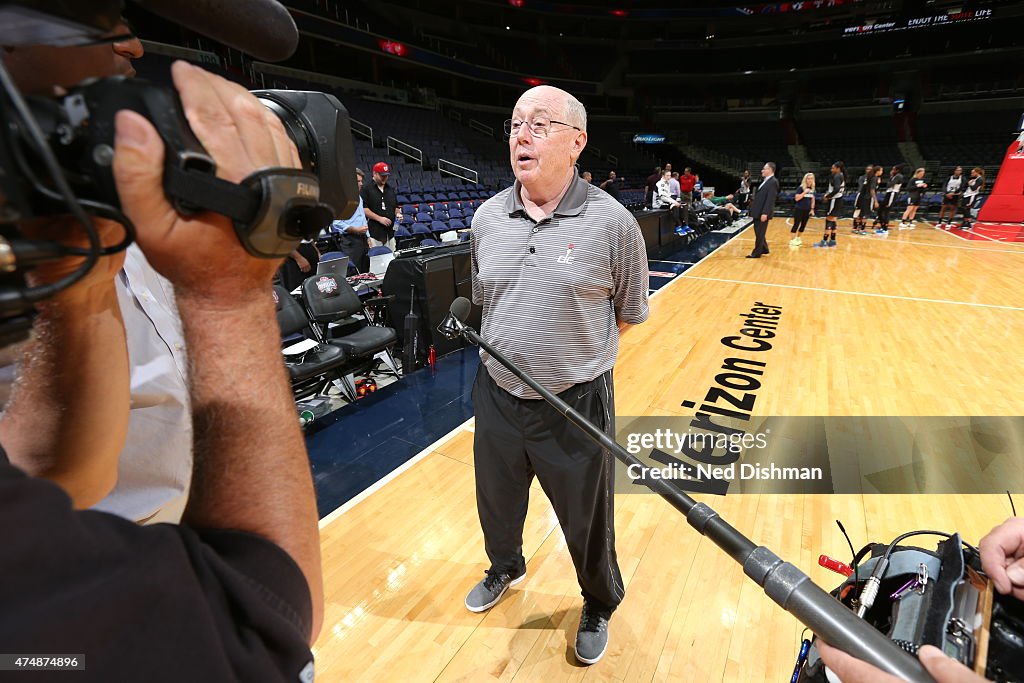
(784, 583)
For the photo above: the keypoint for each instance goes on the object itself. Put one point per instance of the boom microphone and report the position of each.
(261, 28)
(461, 308)
(784, 583)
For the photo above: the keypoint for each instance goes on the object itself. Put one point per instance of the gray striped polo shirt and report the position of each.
(553, 290)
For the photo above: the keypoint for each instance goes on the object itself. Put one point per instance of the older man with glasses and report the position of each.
(560, 269)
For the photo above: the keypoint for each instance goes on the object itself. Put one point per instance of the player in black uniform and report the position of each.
(916, 187)
(744, 191)
(971, 195)
(833, 200)
(892, 191)
(865, 201)
(880, 185)
(951, 194)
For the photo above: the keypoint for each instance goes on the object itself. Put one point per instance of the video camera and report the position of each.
(79, 130)
(56, 157)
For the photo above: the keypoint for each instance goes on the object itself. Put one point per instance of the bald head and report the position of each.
(550, 134)
(558, 103)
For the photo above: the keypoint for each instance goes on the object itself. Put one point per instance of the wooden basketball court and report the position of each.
(917, 323)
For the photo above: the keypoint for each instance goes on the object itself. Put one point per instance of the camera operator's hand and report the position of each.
(851, 670)
(251, 470)
(1002, 557)
(243, 137)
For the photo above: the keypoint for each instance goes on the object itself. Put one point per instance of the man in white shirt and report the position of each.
(155, 466)
(665, 198)
(673, 185)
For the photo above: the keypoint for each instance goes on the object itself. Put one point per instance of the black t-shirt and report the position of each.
(383, 204)
(836, 186)
(154, 603)
(916, 188)
(611, 187)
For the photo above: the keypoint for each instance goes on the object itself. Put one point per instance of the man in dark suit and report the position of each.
(762, 208)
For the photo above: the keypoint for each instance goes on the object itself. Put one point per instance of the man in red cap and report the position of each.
(380, 205)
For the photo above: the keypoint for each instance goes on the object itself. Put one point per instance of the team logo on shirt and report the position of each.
(567, 257)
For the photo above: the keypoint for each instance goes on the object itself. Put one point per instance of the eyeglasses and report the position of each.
(539, 128)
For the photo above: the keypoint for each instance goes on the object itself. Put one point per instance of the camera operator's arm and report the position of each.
(68, 417)
(251, 468)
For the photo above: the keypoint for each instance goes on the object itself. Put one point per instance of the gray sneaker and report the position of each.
(592, 636)
(488, 592)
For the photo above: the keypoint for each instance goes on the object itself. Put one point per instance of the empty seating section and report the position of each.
(432, 202)
(752, 142)
(604, 139)
(855, 142)
(979, 138)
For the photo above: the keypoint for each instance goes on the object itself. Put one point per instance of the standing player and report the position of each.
(865, 201)
(880, 187)
(891, 192)
(804, 209)
(951, 194)
(917, 187)
(833, 199)
(744, 191)
(974, 187)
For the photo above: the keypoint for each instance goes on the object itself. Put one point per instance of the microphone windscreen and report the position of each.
(261, 28)
(460, 309)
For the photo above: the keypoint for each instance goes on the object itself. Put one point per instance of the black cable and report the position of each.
(871, 586)
(111, 213)
(853, 553)
(891, 546)
(95, 209)
(38, 142)
(1013, 508)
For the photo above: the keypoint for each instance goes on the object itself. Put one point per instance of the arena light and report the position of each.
(530, 80)
(517, 3)
(621, 13)
(392, 47)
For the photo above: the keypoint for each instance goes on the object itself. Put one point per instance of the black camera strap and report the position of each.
(202, 191)
(271, 209)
